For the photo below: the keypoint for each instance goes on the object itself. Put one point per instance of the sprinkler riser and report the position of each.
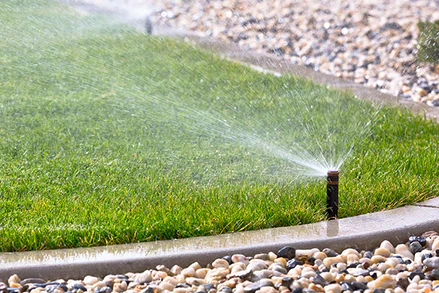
(332, 195)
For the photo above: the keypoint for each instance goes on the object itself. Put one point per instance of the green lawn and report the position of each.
(111, 136)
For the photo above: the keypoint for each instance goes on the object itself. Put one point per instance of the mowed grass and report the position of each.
(111, 136)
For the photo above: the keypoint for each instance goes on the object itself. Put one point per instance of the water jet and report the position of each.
(332, 195)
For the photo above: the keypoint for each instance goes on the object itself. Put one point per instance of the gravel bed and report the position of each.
(370, 42)
(409, 267)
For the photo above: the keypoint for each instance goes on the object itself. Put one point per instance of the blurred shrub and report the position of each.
(428, 42)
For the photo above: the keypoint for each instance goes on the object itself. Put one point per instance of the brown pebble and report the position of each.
(332, 260)
(382, 251)
(220, 263)
(120, 287)
(317, 288)
(383, 282)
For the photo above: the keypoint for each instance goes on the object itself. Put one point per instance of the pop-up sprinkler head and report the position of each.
(332, 195)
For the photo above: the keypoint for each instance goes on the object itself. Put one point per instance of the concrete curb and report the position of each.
(274, 64)
(363, 232)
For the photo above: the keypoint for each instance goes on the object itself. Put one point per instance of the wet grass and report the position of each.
(110, 136)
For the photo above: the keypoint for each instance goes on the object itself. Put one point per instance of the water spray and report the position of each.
(332, 195)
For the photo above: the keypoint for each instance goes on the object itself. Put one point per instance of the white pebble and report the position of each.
(166, 286)
(257, 265)
(240, 258)
(188, 272)
(432, 262)
(195, 266)
(333, 288)
(403, 251)
(328, 277)
(308, 272)
(90, 280)
(267, 289)
(176, 270)
(412, 286)
(341, 266)
(144, 277)
(215, 275)
(387, 245)
(99, 284)
(306, 252)
(349, 251)
(171, 280)
(181, 290)
(392, 261)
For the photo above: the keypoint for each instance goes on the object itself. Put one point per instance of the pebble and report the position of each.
(220, 263)
(382, 251)
(383, 282)
(334, 288)
(329, 261)
(404, 251)
(389, 269)
(253, 287)
(144, 277)
(432, 263)
(286, 252)
(240, 258)
(387, 245)
(90, 280)
(256, 265)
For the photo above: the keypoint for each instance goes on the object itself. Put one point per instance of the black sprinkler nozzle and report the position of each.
(148, 25)
(332, 195)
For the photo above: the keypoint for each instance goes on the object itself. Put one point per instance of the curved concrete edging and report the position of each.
(273, 64)
(362, 232)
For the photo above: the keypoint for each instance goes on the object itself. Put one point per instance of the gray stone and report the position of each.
(252, 288)
(287, 252)
(432, 263)
(415, 247)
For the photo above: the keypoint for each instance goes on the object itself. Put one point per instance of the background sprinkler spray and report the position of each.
(332, 195)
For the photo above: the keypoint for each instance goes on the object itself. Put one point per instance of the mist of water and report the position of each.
(323, 145)
(314, 138)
